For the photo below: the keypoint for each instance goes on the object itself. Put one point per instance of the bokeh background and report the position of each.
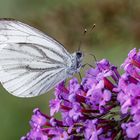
(117, 31)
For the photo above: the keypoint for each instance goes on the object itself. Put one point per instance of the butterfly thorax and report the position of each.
(76, 63)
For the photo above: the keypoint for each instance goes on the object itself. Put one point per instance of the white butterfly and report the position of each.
(31, 62)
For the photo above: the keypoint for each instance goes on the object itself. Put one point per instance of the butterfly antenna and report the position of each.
(81, 39)
(83, 35)
(93, 26)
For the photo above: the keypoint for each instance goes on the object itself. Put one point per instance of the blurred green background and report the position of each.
(117, 31)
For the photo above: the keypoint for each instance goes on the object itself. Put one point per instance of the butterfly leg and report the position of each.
(80, 75)
(95, 59)
(87, 64)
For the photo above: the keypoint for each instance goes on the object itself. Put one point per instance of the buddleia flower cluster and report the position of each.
(104, 106)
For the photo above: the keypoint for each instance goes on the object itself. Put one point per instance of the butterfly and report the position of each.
(31, 62)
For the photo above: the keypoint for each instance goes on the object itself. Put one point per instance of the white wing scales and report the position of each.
(12, 31)
(31, 63)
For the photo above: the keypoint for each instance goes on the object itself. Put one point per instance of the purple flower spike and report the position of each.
(105, 105)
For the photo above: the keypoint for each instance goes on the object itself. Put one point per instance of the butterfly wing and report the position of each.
(31, 63)
(12, 31)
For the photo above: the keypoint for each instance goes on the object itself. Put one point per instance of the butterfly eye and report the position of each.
(79, 54)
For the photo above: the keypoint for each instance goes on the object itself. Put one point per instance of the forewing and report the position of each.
(12, 31)
(31, 62)
(26, 73)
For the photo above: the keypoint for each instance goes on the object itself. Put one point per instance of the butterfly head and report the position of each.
(77, 61)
